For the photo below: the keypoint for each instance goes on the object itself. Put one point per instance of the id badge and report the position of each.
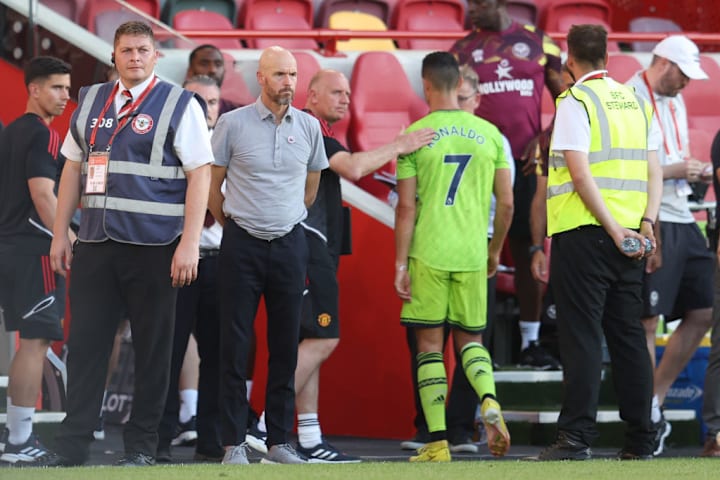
(682, 188)
(97, 173)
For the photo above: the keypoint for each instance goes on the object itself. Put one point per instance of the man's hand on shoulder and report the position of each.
(411, 141)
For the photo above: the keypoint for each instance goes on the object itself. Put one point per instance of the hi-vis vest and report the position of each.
(619, 122)
(144, 203)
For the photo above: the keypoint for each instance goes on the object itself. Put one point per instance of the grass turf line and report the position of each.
(659, 469)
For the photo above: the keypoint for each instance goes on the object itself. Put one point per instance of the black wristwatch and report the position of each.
(536, 248)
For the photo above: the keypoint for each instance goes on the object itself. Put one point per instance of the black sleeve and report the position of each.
(332, 146)
(40, 149)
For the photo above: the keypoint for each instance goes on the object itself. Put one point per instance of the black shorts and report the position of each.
(32, 296)
(320, 305)
(685, 280)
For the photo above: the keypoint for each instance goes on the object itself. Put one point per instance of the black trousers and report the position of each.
(251, 268)
(598, 290)
(462, 401)
(109, 279)
(197, 312)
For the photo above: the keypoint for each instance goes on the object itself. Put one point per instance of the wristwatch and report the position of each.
(536, 248)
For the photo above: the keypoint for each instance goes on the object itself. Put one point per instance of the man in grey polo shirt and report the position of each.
(270, 154)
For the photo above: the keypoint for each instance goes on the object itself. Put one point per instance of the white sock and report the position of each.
(529, 332)
(655, 413)
(261, 423)
(188, 404)
(248, 386)
(19, 423)
(309, 433)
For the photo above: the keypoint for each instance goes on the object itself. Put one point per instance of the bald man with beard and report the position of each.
(270, 155)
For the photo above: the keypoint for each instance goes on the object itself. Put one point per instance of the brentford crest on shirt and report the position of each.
(478, 55)
(142, 124)
(521, 50)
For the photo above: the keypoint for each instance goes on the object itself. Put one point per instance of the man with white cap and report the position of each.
(679, 277)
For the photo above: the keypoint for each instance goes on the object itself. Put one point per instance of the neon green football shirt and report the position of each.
(455, 177)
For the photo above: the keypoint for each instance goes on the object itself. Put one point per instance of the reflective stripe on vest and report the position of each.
(620, 173)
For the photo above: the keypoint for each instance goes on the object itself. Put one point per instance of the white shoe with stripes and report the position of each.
(323, 452)
(32, 452)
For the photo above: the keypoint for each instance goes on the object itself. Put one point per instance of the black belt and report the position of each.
(209, 252)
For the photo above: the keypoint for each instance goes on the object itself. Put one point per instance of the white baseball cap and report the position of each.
(681, 50)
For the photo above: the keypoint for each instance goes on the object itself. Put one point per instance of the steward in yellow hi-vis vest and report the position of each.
(619, 122)
(603, 196)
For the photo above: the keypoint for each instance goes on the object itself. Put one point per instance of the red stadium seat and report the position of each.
(651, 24)
(278, 15)
(206, 20)
(234, 87)
(94, 7)
(702, 98)
(105, 23)
(69, 9)
(428, 15)
(226, 8)
(560, 15)
(308, 66)
(378, 8)
(622, 66)
(523, 11)
(700, 143)
(383, 103)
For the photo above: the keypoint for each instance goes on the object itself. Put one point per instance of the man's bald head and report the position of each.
(329, 95)
(277, 75)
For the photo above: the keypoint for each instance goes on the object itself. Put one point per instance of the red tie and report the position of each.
(125, 108)
(209, 219)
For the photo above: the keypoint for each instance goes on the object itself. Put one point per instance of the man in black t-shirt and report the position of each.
(32, 297)
(328, 100)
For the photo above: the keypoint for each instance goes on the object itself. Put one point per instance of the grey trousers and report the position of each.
(711, 401)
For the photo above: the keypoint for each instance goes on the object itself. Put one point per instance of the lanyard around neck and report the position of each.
(660, 123)
(121, 122)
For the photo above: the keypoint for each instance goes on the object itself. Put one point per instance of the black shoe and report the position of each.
(136, 459)
(537, 358)
(418, 441)
(662, 431)
(565, 448)
(627, 454)
(56, 460)
(185, 435)
(30, 453)
(163, 455)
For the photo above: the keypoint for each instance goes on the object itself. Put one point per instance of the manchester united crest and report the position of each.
(142, 124)
(324, 319)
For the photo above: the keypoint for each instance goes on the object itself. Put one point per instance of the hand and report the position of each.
(411, 141)
(402, 285)
(492, 265)
(706, 174)
(538, 266)
(184, 266)
(530, 157)
(647, 231)
(693, 169)
(654, 262)
(61, 254)
(624, 233)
